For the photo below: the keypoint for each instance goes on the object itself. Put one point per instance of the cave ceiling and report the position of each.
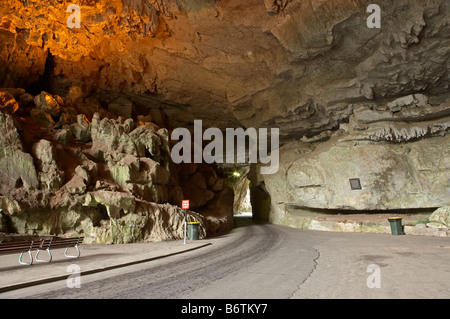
(302, 66)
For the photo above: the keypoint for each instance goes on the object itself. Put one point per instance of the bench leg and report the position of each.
(25, 263)
(71, 256)
(43, 260)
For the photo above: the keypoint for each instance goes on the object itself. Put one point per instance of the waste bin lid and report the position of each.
(193, 223)
(393, 218)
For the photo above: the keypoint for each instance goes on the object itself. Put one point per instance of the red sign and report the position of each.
(185, 204)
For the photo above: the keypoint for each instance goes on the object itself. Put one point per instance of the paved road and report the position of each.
(270, 261)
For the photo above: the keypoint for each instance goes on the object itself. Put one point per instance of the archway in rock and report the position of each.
(242, 206)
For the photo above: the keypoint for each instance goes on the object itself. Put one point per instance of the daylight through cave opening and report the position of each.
(242, 204)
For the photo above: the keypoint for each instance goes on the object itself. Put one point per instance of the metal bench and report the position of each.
(57, 242)
(20, 247)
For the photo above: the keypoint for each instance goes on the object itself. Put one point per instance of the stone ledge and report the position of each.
(343, 223)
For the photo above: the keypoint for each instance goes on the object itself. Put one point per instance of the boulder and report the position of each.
(50, 104)
(26, 100)
(44, 153)
(8, 103)
(74, 95)
(81, 129)
(108, 135)
(124, 168)
(64, 136)
(76, 186)
(146, 140)
(16, 167)
(42, 118)
(440, 218)
(9, 205)
(83, 173)
(50, 176)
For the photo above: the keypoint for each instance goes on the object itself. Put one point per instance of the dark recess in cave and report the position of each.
(44, 83)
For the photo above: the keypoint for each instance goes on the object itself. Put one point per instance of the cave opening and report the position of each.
(252, 201)
(242, 204)
(240, 184)
(242, 207)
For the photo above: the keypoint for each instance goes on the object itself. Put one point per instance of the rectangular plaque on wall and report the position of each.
(355, 183)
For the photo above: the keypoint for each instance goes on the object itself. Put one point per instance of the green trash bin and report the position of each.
(396, 225)
(193, 230)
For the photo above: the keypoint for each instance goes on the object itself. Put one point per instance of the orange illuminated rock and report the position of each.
(8, 103)
(48, 103)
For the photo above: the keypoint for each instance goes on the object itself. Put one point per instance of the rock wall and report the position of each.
(296, 65)
(98, 175)
(400, 152)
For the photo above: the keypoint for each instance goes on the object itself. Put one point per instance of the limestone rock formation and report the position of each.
(48, 103)
(9, 104)
(440, 218)
(399, 165)
(350, 100)
(50, 176)
(114, 182)
(16, 166)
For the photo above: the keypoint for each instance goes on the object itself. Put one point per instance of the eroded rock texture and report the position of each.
(299, 65)
(104, 177)
(350, 101)
(400, 165)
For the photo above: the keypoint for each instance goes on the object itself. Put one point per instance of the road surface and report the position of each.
(271, 261)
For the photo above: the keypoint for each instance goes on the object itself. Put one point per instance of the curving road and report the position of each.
(270, 261)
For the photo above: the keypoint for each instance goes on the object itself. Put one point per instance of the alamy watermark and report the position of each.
(213, 152)
(74, 20)
(374, 20)
(374, 279)
(74, 279)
